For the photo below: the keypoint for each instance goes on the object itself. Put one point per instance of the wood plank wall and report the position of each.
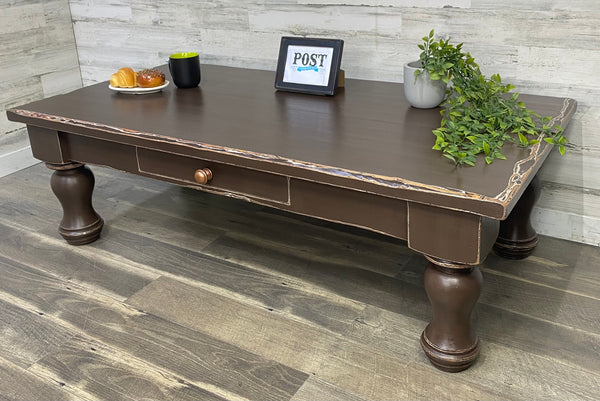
(38, 58)
(543, 46)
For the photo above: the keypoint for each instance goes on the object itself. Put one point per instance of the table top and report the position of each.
(367, 133)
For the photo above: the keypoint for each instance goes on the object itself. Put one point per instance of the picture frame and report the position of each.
(309, 65)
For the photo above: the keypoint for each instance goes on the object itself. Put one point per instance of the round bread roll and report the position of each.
(150, 78)
(124, 78)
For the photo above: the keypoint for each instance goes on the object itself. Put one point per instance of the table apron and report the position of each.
(452, 235)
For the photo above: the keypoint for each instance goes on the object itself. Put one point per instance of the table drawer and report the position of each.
(225, 177)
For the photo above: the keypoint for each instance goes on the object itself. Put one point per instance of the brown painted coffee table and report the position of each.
(361, 158)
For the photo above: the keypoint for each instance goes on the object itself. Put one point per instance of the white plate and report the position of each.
(139, 91)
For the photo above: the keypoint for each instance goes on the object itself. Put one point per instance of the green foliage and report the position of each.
(439, 58)
(479, 114)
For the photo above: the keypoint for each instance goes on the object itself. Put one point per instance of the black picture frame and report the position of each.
(309, 65)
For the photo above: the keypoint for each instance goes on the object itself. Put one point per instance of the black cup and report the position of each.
(185, 69)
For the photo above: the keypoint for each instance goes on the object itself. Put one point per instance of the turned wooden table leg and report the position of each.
(517, 239)
(450, 341)
(73, 184)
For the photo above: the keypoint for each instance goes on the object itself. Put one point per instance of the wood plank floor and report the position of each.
(190, 296)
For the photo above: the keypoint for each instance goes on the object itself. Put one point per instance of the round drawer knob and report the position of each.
(203, 175)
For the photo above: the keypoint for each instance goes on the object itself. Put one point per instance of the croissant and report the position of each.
(124, 78)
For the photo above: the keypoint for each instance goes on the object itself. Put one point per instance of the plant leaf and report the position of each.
(486, 148)
(449, 156)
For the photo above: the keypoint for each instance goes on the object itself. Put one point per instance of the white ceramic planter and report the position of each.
(424, 93)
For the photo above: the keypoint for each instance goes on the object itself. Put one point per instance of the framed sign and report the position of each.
(309, 65)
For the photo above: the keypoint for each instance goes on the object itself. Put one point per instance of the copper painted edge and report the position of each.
(538, 151)
(502, 199)
(391, 182)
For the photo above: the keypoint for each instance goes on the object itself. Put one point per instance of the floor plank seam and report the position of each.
(53, 383)
(564, 326)
(521, 279)
(68, 281)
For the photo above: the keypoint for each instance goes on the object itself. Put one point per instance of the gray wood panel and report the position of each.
(26, 336)
(109, 374)
(109, 274)
(38, 57)
(292, 341)
(315, 389)
(191, 356)
(192, 296)
(19, 384)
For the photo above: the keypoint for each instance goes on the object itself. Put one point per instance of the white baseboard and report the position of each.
(16, 160)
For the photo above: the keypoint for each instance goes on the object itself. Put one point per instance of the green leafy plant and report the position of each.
(439, 58)
(479, 115)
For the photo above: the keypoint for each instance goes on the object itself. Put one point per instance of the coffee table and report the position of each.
(362, 158)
